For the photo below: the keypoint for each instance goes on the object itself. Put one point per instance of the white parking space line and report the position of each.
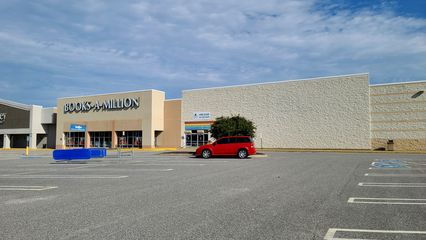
(28, 200)
(168, 164)
(173, 161)
(63, 176)
(155, 170)
(332, 231)
(391, 201)
(417, 163)
(394, 175)
(398, 169)
(375, 184)
(26, 188)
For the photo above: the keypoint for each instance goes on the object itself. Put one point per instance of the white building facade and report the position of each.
(318, 113)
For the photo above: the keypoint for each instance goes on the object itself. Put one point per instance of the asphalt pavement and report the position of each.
(153, 196)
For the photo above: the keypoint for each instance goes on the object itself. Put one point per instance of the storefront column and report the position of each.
(6, 141)
(114, 141)
(32, 140)
(87, 139)
(148, 139)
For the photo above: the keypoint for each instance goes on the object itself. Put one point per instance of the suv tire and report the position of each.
(206, 153)
(242, 153)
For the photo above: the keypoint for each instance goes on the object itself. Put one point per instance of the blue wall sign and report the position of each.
(78, 127)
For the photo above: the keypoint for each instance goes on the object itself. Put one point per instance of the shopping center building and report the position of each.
(26, 125)
(338, 112)
(139, 119)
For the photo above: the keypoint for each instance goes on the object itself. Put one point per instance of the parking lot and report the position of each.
(154, 196)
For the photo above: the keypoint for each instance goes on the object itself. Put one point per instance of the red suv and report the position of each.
(240, 146)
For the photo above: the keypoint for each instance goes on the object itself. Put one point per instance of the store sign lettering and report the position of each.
(2, 117)
(107, 105)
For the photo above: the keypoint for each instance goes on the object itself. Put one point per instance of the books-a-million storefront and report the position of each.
(128, 120)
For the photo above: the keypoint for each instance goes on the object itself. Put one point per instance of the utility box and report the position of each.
(390, 145)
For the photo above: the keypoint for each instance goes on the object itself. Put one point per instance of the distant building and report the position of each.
(26, 125)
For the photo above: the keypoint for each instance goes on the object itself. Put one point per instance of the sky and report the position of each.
(51, 48)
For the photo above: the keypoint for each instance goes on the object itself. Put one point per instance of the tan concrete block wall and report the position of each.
(396, 114)
(171, 137)
(322, 113)
(400, 144)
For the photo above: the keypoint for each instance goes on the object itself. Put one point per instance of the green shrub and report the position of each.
(232, 126)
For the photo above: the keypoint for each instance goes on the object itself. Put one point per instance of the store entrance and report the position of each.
(129, 139)
(196, 138)
(18, 140)
(100, 139)
(74, 139)
(1, 140)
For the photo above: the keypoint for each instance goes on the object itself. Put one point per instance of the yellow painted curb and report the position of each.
(146, 149)
(23, 149)
(337, 151)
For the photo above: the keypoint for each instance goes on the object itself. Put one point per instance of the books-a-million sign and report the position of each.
(107, 105)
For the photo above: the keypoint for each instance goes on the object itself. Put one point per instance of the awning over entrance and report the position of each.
(198, 125)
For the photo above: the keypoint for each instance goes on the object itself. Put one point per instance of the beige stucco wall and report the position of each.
(321, 113)
(148, 117)
(396, 114)
(171, 137)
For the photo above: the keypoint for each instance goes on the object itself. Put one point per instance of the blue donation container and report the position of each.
(98, 152)
(79, 154)
(71, 154)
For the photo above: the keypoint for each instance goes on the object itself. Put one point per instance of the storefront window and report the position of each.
(100, 139)
(130, 139)
(196, 138)
(74, 139)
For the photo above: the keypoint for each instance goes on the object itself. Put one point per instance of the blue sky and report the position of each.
(52, 48)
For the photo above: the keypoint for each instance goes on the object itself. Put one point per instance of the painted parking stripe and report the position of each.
(376, 184)
(168, 164)
(393, 175)
(181, 161)
(391, 201)
(64, 176)
(397, 169)
(155, 170)
(332, 231)
(26, 188)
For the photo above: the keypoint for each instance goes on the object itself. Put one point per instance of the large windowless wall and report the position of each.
(398, 116)
(320, 113)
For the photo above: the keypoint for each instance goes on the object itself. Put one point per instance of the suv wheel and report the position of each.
(242, 153)
(206, 153)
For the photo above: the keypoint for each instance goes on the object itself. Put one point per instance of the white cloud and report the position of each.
(174, 45)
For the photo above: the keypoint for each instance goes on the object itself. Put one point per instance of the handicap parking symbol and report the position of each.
(390, 164)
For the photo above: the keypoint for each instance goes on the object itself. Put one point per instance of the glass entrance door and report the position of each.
(74, 139)
(129, 139)
(196, 138)
(100, 139)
